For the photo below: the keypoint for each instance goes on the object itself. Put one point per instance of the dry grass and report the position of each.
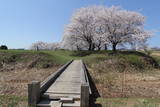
(156, 53)
(127, 84)
(113, 82)
(13, 84)
(128, 102)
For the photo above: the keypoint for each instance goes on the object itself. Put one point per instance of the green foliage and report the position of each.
(3, 47)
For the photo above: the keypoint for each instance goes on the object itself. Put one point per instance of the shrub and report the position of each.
(3, 47)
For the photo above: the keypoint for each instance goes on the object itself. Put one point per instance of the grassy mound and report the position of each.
(120, 61)
(10, 60)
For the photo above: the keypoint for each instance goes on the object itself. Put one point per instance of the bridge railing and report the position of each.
(35, 89)
(86, 77)
(85, 88)
(48, 81)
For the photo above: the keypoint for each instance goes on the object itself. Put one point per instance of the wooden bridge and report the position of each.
(68, 87)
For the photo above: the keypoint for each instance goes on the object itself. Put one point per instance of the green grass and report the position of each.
(12, 101)
(59, 56)
(41, 59)
(157, 58)
(62, 56)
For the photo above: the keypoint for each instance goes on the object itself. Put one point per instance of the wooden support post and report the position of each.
(84, 95)
(33, 93)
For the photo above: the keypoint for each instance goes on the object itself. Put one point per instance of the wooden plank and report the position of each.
(68, 85)
(66, 100)
(56, 104)
(52, 96)
(75, 104)
(47, 103)
(47, 82)
(69, 81)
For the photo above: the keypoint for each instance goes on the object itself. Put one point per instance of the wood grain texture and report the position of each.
(69, 82)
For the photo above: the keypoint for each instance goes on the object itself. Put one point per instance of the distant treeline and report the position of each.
(155, 49)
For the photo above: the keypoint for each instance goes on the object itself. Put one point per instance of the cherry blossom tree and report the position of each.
(95, 27)
(44, 46)
(82, 27)
(38, 46)
(122, 26)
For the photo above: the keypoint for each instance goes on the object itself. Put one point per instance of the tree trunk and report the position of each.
(78, 48)
(37, 48)
(90, 47)
(93, 47)
(105, 47)
(99, 48)
(114, 47)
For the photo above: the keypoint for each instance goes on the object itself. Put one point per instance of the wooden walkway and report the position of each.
(68, 87)
(68, 84)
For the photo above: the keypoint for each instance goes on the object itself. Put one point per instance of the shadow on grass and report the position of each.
(87, 53)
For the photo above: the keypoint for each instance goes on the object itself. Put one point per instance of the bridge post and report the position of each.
(84, 95)
(33, 93)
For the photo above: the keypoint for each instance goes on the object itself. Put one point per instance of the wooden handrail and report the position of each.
(86, 76)
(48, 81)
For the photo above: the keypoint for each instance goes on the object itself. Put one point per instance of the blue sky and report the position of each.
(23, 22)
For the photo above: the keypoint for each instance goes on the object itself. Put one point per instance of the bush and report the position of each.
(3, 47)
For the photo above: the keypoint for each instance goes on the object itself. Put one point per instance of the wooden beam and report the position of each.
(84, 95)
(33, 93)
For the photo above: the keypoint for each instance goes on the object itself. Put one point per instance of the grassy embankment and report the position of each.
(127, 79)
